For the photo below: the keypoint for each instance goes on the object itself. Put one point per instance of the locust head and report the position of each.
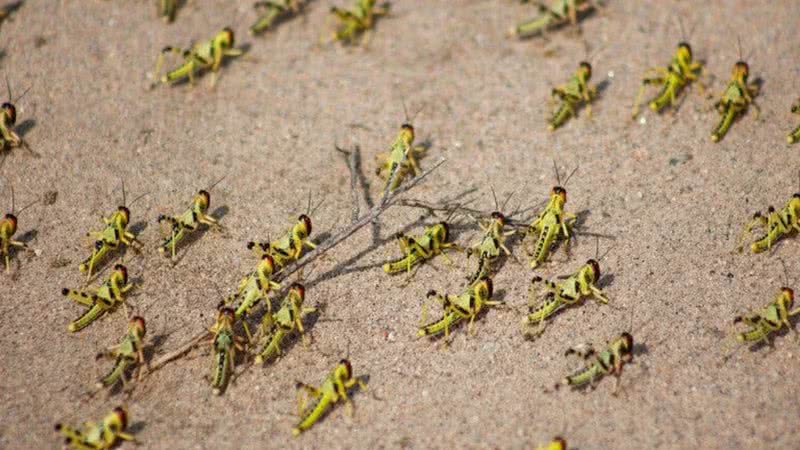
(10, 112)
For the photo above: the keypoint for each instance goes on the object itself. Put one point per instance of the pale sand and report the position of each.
(271, 123)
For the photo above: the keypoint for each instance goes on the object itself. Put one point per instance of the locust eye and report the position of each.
(497, 215)
(301, 290)
(587, 67)
(407, 127)
(789, 292)
(307, 222)
(124, 270)
(686, 47)
(229, 33)
(796, 195)
(122, 416)
(139, 322)
(561, 444)
(11, 217)
(595, 268)
(628, 342)
(226, 311)
(11, 110)
(268, 258)
(125, 211)
(489, 286)
(348, 368)
(742, 67)
(206, 196)
(446, 229)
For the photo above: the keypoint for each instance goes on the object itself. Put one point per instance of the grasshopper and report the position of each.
(98, 436)
(206, 55)
(551, 224)
(736, 98)
(254, 287)
(771, 318)
(289, 247)
(8, 118)
(275, 327)
(274, 11)
(333, 389)
(115, 232)
(681, 72)
(416, 250)
(225, 344)
(402, 155)
(608, 362)
(558, 443)
(167, 10)
(777, 223)
(570, 291)
(457, 308)
(8, 226)
(357, 21)
(576, 91)
(794, 136)
(101, 299)
(558, 13)
(493, 241)
(189, 221)
(128, 352)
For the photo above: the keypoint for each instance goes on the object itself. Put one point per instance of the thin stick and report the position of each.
(386, 202)
(473, 213)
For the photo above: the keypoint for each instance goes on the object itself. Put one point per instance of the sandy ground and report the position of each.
(674, 202)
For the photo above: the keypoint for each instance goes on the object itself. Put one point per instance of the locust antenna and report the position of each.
(217, 182)
(494, 195)
(22, 95)
(569, 176)
(503, 208)
(558, 177)
(683, 30)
